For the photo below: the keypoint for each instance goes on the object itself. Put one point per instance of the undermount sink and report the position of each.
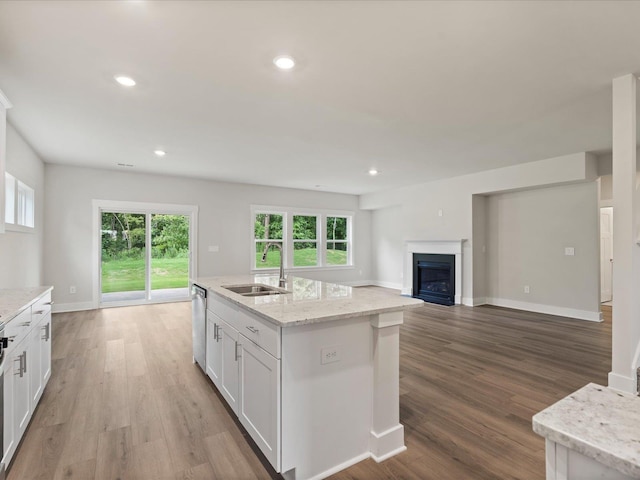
(254, 289)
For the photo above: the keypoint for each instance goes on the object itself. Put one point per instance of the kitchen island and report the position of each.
(312, 372)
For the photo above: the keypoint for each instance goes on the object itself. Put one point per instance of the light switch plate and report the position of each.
(569, 251)
(214, 248)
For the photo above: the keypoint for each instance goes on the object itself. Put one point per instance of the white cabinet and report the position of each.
(259, 408)
(27, 369)
(229, 369)
(214, 348)
(249, 372)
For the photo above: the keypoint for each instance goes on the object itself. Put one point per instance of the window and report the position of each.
(10, 199)
(337, 241)
(305, 246)
(19, 203)
(310, 238)
(267, 233)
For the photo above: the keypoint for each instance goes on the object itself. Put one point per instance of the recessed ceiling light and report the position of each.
(373, 172)
(160, 153)
(284, 62)
(125, 81)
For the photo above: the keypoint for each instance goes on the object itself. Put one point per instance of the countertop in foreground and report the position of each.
(309, 301)
(15, 300)
(598, 422)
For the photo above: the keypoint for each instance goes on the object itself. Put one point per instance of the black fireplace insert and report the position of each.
(434, 278)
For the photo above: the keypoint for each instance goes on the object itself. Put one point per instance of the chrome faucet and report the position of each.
(282, 282)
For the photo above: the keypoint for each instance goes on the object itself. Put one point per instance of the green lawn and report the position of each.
(301, 258)
(128, 275)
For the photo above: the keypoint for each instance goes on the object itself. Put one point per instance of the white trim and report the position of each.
(393, 285)
(623, 384)
(143, 208)
(546, 309)
(342, 466)
(437, 247)
(474, 302)
(72, 307)
(358, 283)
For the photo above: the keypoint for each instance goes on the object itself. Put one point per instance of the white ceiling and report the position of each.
(419, 90)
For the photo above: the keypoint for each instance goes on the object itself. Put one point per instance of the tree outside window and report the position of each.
(337, 241)
(305, 245)
(267, 231)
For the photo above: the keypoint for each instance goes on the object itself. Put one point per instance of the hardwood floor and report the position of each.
(126, 402)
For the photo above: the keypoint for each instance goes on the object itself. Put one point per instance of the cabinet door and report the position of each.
(229, 368)
(10, 369)
(214, 349)
(21, 404)
(34, 349)
(45, 351)
(259, 409)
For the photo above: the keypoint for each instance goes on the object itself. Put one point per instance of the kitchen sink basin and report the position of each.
(255, 289)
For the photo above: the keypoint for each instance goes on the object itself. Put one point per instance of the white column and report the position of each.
(626, 253)
(387, 433)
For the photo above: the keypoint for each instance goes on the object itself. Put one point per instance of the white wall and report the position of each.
(20, 252)
(224, 220)
(387, 251)
(527, 233)
(417, 211)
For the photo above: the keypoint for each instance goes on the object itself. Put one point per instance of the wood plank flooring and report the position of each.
(126, 402)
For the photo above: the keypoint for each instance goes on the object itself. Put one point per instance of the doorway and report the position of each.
(145, 253)
(606, 255)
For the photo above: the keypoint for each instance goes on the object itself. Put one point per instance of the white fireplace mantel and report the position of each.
(442, 247)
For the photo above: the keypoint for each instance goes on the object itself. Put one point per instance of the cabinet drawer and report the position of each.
(18, 327)
(41, 308)
(223, 309)
(263, 333)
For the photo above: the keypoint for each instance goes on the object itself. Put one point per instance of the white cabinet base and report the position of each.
(565, 464)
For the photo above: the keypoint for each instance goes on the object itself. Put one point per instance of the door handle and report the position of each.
(237, 355)
(25, 362)
(216, 332)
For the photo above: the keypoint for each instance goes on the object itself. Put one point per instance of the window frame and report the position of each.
(288, 241)
(24, 205)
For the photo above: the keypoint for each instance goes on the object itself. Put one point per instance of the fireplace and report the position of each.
(439, 248)
(434, 278)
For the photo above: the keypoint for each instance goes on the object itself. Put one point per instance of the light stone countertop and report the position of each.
(598, 422)
(309, 301)
(15, 300)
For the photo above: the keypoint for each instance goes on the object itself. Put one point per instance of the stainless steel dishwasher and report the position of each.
(199, 321)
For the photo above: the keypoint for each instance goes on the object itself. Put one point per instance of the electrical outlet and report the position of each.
(72, 289)
(527, 289)
(569, 251)
(330, 354)
(440, 212)
(214, 248)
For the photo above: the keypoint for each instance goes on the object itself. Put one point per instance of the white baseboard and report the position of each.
(473, 301)
(547, 309)
(359, 283)
(337, 468)
(622, 383)
(395, 286)
(72, 307)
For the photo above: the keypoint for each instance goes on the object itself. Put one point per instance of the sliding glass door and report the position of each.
(144, 257)
(123, 257)
(169, 256)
